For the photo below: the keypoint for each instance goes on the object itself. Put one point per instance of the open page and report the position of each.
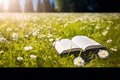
(65, 45)
(84, 42)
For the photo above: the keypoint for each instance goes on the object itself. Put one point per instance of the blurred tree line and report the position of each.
(65, 6)
(88, 5)
(14, 6)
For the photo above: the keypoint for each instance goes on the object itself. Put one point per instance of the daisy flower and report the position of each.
(103, 53)
(26, 36)
(2, 52)
(9, 29)
(109, 41)
(19, 58)
(51, 39)
(33, 56)
(104, 33)
(2, 39)
(27, 48)
(113, 49)
(78, 61)
(15, 36)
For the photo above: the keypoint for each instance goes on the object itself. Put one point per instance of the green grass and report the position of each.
(49, 27)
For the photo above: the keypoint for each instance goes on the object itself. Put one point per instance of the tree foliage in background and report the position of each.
(52, 8)
(87, 5)
(71, 5)
(14, 6)
(46, 6)
(29, 6)
(1, 7)
(39, 6)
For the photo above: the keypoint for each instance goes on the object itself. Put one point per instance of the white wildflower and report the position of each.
(107, 28)
(103, 53)
(42, 36)
(113, 49)
(65, 25)
(109, 41)
(36, 32)
(2, 39)
(15, 36)
(50, 35)
(58, 38)
(9, 29)
(2, 52)
(104, 33)
(19, 58)
(79, 61)
(51, 39)
(27, 48)
(97, 27)
(33, 56)
(26, 36)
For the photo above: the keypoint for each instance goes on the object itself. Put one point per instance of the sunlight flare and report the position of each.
(6, 4)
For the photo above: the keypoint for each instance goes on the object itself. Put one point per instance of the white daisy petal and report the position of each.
(27, 48)
(19, 58)
(103, 53)
(33, 56)
(79, 61)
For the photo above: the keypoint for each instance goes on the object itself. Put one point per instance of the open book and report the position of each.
(76, 44)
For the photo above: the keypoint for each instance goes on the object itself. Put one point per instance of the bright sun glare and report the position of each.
(6, 3)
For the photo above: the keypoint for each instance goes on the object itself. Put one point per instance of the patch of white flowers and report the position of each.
(27, 48)
(15, 36)
(2, 39)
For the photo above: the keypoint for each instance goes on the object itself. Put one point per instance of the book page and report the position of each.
(83, 42)
(58, 47)
(65, 45)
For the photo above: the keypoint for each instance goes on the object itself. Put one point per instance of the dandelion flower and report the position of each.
(33, 56)
(79, 61)
(27, 48)
(103, 53)
(15, 36)
(19, 58)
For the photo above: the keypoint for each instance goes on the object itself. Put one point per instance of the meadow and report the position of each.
(26, 39)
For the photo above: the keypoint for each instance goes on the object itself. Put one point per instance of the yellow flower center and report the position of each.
(103, 53)
(79, 61)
